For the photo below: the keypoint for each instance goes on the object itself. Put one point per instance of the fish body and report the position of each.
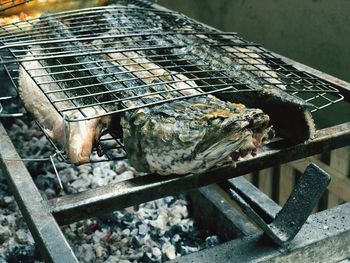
(75, 138)
(241, 63)
(268, 96)
(190, 135)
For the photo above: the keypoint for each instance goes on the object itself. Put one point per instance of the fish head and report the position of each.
(189, 136)
(231, 128)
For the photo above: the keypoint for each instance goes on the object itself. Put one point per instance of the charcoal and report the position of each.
(128, 217)
(3, 189)
(120, 167)
(169, 251)
(188, 249)
(109, 218)
(175, 229)
(150, 258)
(151, 232)
(5, 234)
(156, 253)
(23, 237)
(176, 238)
(143, 229)
(100, 251)
(43, 182)
(126, 232)
(136, 242)
(86, 253)
(134, 232)
(22, 254)
(212, 241)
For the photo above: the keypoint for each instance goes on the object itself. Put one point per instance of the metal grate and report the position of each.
(87, 57)
(8, 4)
(121, 58)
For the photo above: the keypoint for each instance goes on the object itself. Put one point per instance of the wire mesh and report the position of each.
(121, 58)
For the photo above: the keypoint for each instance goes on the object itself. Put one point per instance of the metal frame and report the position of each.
(40, 214)
(71, 208)
(43, 217)
(324, 238)
(281, 225)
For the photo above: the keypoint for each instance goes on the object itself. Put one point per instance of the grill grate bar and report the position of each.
(87, 53)
(86, 16)
(115, 60)
(129, 79)
(150, 104)
(57, 40)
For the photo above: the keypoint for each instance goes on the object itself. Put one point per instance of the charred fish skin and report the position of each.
(277, 103)
(291, 119)
(164, 140)
(267, 89)
(298, 127)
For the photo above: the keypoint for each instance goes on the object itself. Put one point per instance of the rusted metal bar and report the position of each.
(263, 204)
(46, 232)
(71, 208)
(325, 238)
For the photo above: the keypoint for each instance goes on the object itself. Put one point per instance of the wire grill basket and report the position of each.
(120, 58)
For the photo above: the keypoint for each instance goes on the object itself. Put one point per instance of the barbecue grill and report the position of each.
(142, 41)
(169, 47)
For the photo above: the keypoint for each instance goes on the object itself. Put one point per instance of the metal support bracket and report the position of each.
(280, 225)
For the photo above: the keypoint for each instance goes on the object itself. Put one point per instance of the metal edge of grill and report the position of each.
(69, 210)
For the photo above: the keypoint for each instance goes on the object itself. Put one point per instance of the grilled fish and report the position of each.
(241, 63)
(298, 127)
(190, 135)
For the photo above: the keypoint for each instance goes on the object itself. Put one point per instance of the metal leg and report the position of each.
(48, 236)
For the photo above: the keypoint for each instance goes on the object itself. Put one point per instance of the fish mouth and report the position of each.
(237, 137)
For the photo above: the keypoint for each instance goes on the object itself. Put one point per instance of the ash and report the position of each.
(156, 231)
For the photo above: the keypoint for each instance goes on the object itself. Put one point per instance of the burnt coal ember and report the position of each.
(155, 231)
